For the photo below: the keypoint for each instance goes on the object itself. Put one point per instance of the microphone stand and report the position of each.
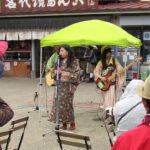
(57, 88)
(57, 98)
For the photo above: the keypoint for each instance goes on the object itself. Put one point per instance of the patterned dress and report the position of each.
(67, 87)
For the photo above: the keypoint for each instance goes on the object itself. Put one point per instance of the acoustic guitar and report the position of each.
(104, 85)
(49, 79)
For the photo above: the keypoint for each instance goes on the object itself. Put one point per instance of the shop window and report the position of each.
(18, 50)
(146, 51)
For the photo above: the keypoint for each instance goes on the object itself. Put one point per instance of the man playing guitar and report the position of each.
(108, 66)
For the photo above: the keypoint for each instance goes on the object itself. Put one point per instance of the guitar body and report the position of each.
(104, 85)
(49, 79)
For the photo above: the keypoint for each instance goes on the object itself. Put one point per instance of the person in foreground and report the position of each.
(6, 113)
(108, 65)
(128, 108)
(138, 138)
(69, 79)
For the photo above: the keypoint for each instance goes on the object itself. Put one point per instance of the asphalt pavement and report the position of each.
(19, 93)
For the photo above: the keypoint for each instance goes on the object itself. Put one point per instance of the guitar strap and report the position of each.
(114, 64)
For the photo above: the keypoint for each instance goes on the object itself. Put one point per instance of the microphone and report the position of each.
(59, 56)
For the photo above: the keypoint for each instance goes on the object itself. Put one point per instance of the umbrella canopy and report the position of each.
(91, 32)
(3, 47)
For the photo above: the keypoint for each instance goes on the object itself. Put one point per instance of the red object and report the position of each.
(64, 127)
(135, 139)
(3, 47)
(135, 75)
(72, 126)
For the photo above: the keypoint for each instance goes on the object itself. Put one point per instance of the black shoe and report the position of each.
(90, 80)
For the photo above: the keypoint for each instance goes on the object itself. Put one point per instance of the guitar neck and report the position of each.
(121, 71)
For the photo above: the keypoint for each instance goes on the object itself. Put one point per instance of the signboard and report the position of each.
(8, 6)
(6, 66)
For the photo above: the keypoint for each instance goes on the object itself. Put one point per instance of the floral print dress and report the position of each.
(67, 87)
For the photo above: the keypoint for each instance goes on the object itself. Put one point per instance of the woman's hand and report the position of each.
(50, 69)
(103, 79)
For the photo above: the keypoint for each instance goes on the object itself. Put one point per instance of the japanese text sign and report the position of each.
(9, 6)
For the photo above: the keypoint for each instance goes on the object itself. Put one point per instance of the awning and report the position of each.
(25, 35)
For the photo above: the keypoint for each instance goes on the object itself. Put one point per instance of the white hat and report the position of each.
(143, 90)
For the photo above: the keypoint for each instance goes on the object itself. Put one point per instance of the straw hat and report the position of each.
(103, 48)
(143, 90)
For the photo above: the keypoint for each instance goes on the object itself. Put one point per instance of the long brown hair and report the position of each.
(104, 65)
(70, 54)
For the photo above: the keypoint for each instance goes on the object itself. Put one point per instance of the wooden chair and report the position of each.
(72, 139)
(110, 128)
(5, 138)
(18, 125)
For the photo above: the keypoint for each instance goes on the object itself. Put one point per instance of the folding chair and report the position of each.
(69, 139)
(5, 138)
(18, 125)
(110, 128)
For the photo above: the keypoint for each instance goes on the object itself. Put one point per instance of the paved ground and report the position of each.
(19, 93)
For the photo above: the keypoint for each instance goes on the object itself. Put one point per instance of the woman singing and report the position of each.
(69, 79)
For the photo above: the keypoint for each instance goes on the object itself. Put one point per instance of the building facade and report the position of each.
(23, 23)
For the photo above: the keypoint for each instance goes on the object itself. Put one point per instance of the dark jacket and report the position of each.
(90, 56)
(6, 113)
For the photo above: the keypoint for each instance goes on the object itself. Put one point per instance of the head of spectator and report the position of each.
(144, 91)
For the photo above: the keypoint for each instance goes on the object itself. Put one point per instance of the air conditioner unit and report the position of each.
(146, 36)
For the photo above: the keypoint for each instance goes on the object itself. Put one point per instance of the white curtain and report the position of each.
(25, 35)
(2, 35)
(11, 36)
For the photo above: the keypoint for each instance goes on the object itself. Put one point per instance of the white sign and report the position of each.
(15, 63)
(36, 4)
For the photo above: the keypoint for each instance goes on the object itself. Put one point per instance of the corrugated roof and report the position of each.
(125, 6)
